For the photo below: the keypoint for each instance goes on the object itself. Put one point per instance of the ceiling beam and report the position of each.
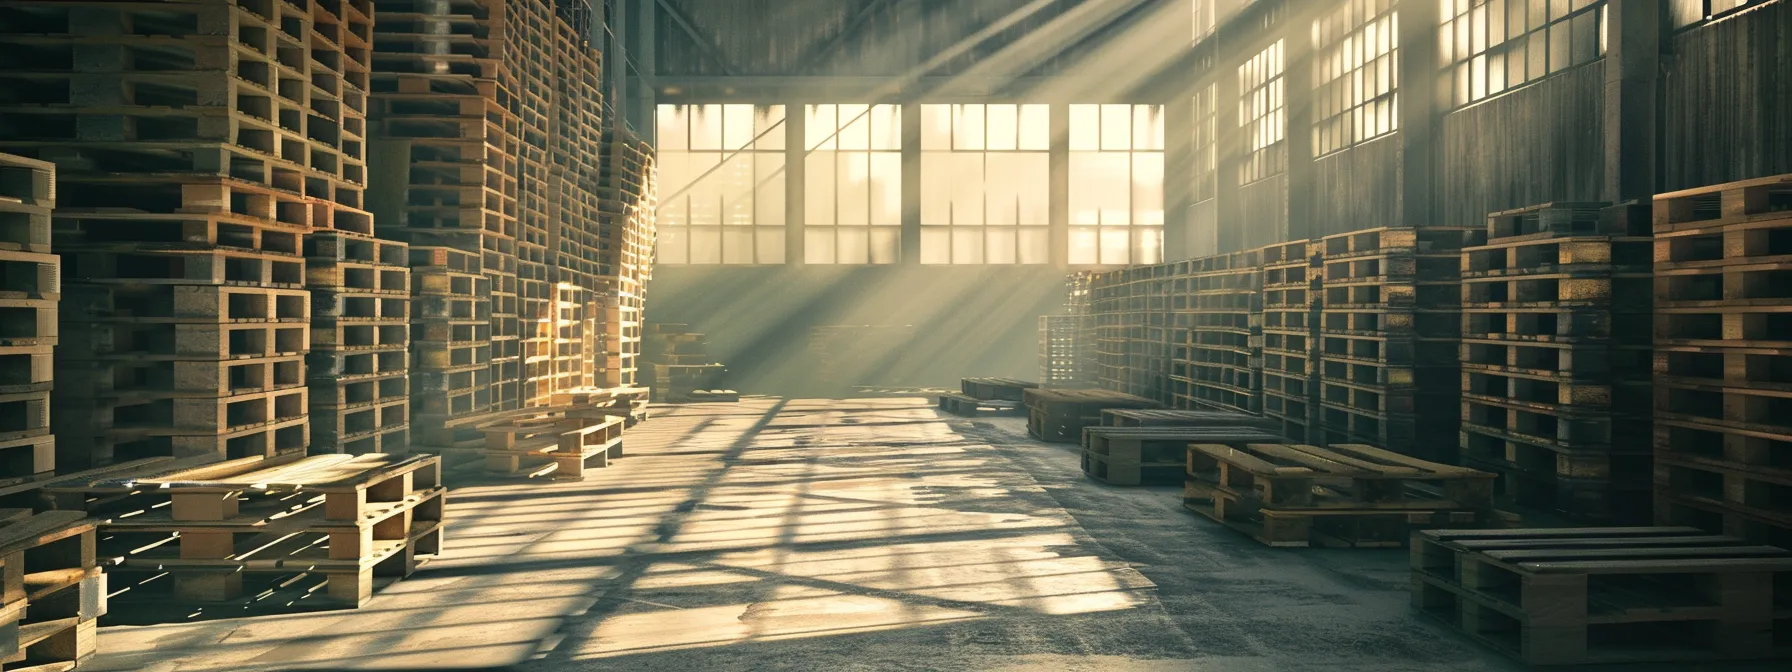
(812, 63)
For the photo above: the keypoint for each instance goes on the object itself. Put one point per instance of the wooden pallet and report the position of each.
(1605, 595)
(53, 590)
(967, 406)
(1157, 454)
(348, 518)
(1356, 495)
(1059, 415)
(1007, 389)
(562, 445)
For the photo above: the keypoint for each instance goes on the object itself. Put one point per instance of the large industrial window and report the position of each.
(1206, 136)
(852, 186)
(1262, 116)
(1489, 46)
(1355, 68)
(1685, 13)
(1116, 184)
(985, 184)
(721, 170)
(1203, 11)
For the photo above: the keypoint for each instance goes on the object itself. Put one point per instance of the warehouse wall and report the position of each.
(1727, 89)
(1540, 143)
(967, 320)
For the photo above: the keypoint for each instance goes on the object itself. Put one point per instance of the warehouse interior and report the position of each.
(1254, 335)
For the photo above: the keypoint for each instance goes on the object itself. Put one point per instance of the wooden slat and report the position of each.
(1294, 454)
(1247, 461)
(1378, 454)
(1645, 553)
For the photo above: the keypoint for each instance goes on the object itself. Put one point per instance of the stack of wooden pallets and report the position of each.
(1723, 359)
(1059, 415)
(29, 290)
(1375, 380)
(624, 242)
(450, 344)
(1343, 494)
(678, 367)
(51, 590)
(977, 396)
(1555, 360)
(1217, 309)
(191, 160)
(1133, 333)
(322, 530)
(1156, 454)
(360, 343)
(445, 148)
(1060, 351)
(1606, 595)
(1292, 296)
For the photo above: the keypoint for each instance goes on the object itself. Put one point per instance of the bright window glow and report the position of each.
(1262, 115)
(1490, 46)
(1116, 184)
(721, 170)
(985, 184)
(852, 203)
(1356, 65)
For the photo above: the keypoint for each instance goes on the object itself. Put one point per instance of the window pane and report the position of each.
(936, 127)
(1035, 127)
(967, 245)
(1148, 245)
(998, 247)
(886, 189)
(854, 245)
(1148, 189)
(768, 192)
(967, 127)
(673, 247)
(818, 245)
(737, 245)
(886, 245)
(706, 127)
(936, 187)
(852, 184)
(672, 126)
(886, 127)
(818, 188)
(967, 188)
(737, 126)
(1116, 245)
(768, 127)
(820, 127)
(1035, 245)
(771, 244)
(936, 245)
(736, 177)
(1085, 127)
(1084, 245)
(706, 244)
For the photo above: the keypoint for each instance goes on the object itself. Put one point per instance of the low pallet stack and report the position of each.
(358, 368)
(678, 367)
(29, 291)
(1723, 359)
(1059, 415)
(1155, 454)
(323, 530)
(1291, 302)
(1374, 377)
(1555, 360)
(561, 443)
(1607, 595)
(51, 590)
(1216, 308)
(192, 162)
(1343, 495)
(992, 396)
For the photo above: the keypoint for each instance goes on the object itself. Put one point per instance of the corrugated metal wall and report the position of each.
(1541, 143)
(1727, 90)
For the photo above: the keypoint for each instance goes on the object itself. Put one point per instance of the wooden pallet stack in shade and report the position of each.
(1344, 494)
(1555, 360)
(1606, 595)
(1723, 359)
(358, 368)
(1292, 297)
(1374, 379)
(1216, 310)
(192, 160)
(51, 590)
(1132, 330)
(1059, 415)
(29, 290)
(324, 529)
(451, 349)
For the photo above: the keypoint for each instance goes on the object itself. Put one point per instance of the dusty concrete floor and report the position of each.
(840, 535)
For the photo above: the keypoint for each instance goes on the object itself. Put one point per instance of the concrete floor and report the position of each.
(840, 535)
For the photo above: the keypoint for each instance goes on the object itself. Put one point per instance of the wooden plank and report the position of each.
(1645, 553)
(1306, 458)
(1247, 461)
(1377, 454)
